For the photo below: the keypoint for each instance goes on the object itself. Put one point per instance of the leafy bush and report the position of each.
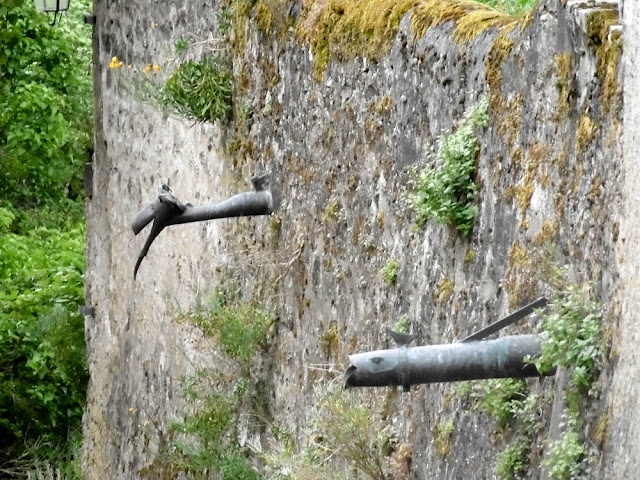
(205, 439)
(42, 369)
(45, 104)
(446, 192)
(573, 323)
(240, 327)
(200, 90)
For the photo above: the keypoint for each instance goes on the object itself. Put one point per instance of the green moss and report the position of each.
(330, 341)
(608, 49)
(344, 29)
(444, 290)
(471, 18)
(263, 17)
(390, 271)
(443, 437)
(330, 211)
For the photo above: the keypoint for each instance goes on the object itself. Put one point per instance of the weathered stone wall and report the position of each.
(339, 150)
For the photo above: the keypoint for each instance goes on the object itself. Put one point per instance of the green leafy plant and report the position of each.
(390, 271)
(573, 324)
(512, 7)
(199, 90)
(45, 104)
(446, 192)
(205, 440)
(240, 327)
(563, 461)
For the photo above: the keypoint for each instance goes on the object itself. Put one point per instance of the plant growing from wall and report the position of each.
(346, 438)
(205, 440)
(199, 90)
(446, 192)
(573, 323)
(240, 327)
(390, 271)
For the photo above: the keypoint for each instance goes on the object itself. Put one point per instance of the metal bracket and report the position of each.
(506, 321)
(90, 19)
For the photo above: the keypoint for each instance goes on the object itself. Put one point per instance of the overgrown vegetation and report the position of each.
(240, 327)
(205, 440)
(199, 90)
(446, 192)
(345, 29)
(346, 437)
(573, 322)
(45, 135)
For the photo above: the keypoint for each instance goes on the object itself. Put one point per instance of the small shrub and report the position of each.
(446, 192)
(496, 396)
(240, 327)
(199, 90)
(563, 461)
(573, 323)
(390, 271)
(513, 460)
(206, 439)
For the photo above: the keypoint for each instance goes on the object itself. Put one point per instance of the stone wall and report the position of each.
(549, 172)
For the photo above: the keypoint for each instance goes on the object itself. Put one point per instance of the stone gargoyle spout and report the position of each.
(166, 210)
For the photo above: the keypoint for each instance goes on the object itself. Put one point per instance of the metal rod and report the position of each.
(166, 210)
(406, 366)
(506, 321)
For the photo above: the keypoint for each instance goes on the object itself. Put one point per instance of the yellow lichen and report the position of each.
(512, 118)
(546, 234)
(564, 84)
(444, 290)
(608, 48)
(382, 105)
(330, 341)
(586, 132)
(500, 50)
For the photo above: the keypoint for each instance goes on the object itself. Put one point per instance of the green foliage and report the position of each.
(513, 460)
(446, 192)
(45, 103)
(240, 327)
(563, 461)
(390, 271)
(497, 397)
(42, 369)
(45, 134)
(345, 439)
(199, 90)
(205, 439)
(511, 7)
(402, 325)
(573, 323)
